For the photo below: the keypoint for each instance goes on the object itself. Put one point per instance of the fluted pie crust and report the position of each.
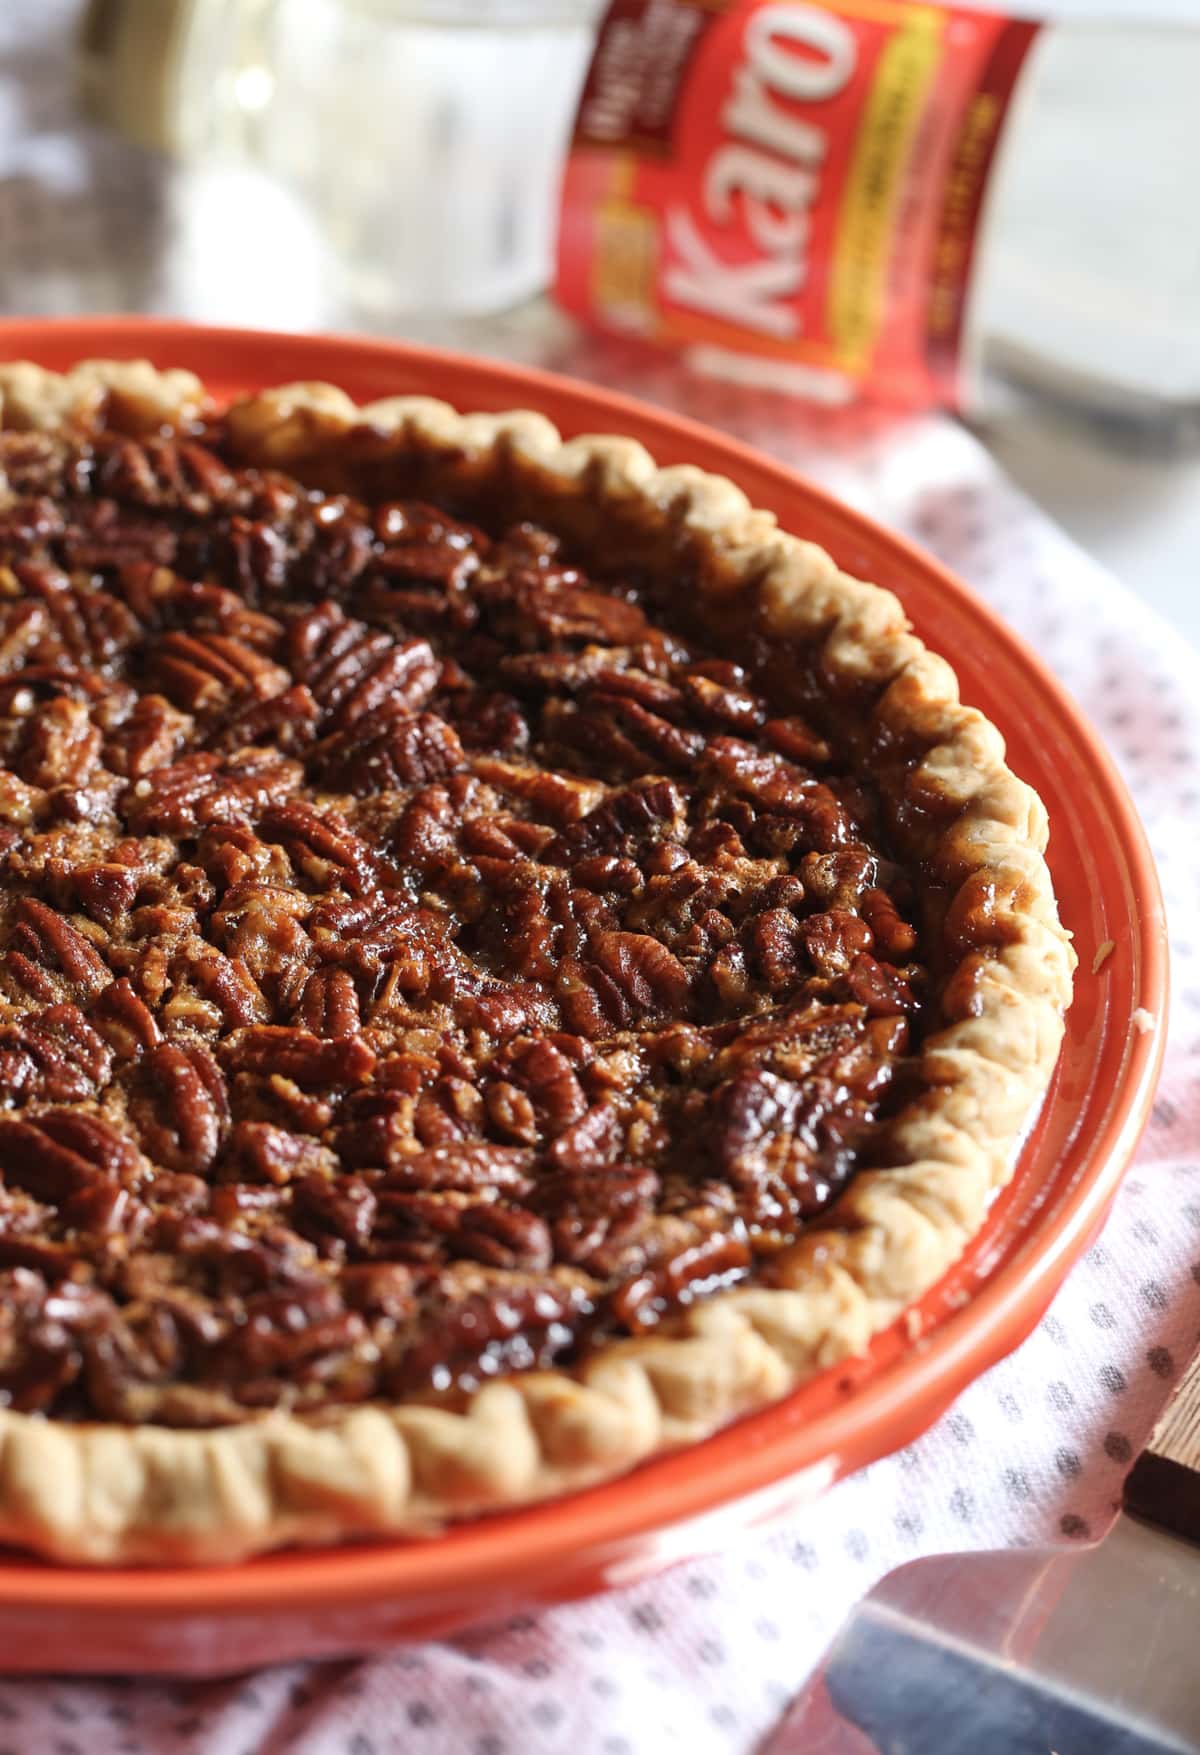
(115, 1494)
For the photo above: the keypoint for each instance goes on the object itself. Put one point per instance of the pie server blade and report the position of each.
(1076, 1651)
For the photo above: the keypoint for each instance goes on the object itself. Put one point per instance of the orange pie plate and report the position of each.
(354, 1598)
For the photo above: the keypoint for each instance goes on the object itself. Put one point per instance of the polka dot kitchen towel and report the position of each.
(704, 1659)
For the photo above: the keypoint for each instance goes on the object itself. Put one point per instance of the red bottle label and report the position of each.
(790, 192)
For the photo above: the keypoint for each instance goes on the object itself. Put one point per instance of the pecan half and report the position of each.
(182, 1111)
(203, 789)
(52, 1056)
(296, 1054)
(49, 959)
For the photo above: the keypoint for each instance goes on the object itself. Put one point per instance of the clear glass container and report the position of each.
(424, 138)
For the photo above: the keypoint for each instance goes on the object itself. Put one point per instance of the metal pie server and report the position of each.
(1079, 1651)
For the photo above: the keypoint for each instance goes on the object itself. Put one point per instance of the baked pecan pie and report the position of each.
(506, 961)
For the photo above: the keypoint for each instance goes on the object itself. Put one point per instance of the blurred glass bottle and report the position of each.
(425, 138)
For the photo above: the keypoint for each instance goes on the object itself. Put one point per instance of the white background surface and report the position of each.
(1136, 512)
(1139, 514)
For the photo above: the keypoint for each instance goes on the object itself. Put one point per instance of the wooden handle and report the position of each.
(1163, 1486)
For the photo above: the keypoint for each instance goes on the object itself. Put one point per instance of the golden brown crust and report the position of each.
(109, 1494)
(130, 395)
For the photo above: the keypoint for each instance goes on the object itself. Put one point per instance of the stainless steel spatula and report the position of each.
(1079, 1651)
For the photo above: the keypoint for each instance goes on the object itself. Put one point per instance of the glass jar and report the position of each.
(425, 138)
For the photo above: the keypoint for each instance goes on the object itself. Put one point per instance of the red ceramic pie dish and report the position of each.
(351, 1598)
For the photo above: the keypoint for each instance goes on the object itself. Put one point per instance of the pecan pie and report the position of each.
(507, 961)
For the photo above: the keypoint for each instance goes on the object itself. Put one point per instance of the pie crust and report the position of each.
(111, 1494)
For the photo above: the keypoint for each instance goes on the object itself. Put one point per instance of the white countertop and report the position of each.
(1135, 512)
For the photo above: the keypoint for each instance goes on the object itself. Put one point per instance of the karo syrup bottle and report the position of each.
(918, 202)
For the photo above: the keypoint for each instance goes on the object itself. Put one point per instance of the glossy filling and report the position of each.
(417, 962)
